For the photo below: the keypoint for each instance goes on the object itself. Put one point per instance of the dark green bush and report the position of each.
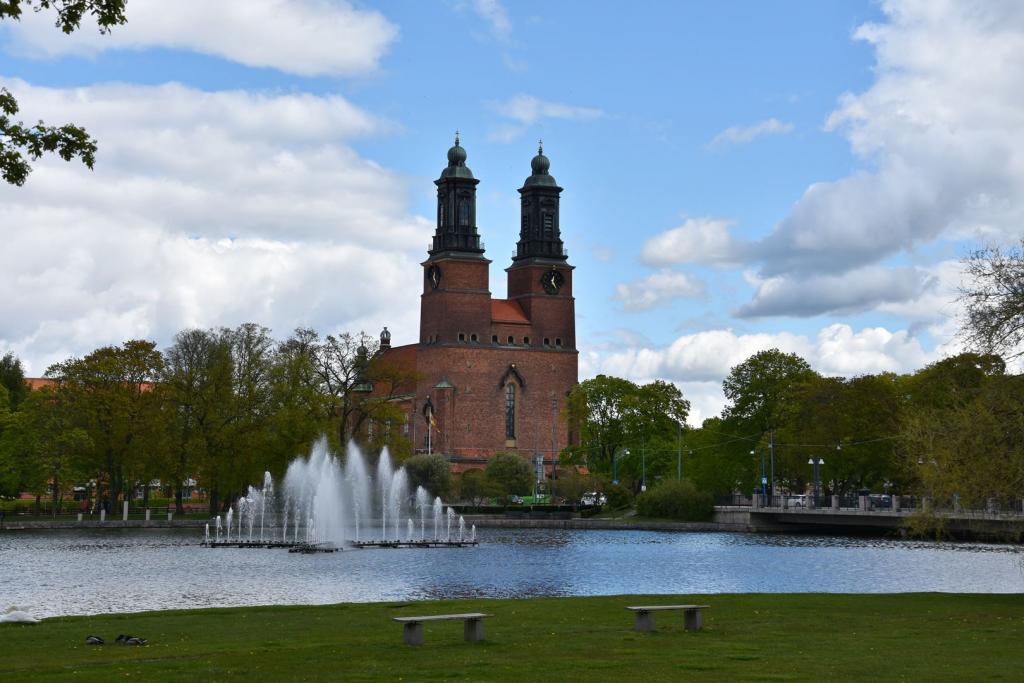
(619, 497)
(676, 500)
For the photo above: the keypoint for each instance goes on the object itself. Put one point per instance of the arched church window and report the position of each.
(549, 225)
(463, 212)
(510, 411)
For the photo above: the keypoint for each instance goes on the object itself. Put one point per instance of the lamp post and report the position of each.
(643, 470)
(615, 463)
(679, 449)
(764, 476)
(817, 463)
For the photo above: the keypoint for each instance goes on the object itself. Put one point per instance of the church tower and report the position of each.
(540, 278)
(492, 375)
(456, 295)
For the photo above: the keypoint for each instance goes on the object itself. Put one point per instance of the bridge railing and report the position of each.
(873, 502)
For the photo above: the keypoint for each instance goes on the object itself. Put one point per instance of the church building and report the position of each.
(492, 374)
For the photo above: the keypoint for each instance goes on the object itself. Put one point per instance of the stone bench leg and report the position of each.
(644, 621)
(474, 630)
(692, 619)
(413, 633)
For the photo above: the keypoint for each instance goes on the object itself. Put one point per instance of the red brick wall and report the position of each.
(471, 413)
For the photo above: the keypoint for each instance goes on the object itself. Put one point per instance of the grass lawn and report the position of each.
(816, 637)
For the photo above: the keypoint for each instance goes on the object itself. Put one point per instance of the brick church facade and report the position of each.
(493, 374)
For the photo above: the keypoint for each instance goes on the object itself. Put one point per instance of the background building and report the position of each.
(492, 374)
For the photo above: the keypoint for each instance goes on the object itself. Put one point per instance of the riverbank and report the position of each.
(906, 637)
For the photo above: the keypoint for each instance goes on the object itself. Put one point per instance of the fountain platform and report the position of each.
(292, 546)
(413, 544)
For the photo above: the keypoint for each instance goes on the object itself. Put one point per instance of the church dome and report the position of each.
(457, 162)
(539, 165)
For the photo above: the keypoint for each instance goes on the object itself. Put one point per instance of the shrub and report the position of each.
(619, 497)
(676, 500)
(431, 472)
(509, 474)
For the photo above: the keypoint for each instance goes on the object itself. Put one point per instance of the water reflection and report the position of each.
(53, 573)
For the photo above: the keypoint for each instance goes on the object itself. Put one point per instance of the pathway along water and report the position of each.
(85, 572)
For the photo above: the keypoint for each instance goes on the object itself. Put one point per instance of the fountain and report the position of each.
(328, 503)
(437, 519)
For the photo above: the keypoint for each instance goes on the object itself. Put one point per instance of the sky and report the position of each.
(738, 176)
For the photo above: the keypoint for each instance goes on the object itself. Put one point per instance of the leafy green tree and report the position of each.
(196, 386)
(509, 474)
(110, 392)
(475, 488)
(52, 452)
(12, 378)
(431, 472)
(612, 414)
(973, 450)
(757, 387)
(20, 143)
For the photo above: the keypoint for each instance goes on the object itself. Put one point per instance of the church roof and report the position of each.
(506, 311)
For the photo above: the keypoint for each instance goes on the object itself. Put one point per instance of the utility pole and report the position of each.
(771, 450)
(679, 456)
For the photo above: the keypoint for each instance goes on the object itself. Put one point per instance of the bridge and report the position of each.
(870, 513)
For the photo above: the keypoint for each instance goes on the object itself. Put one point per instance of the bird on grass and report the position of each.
(131, 640)
(94, 640)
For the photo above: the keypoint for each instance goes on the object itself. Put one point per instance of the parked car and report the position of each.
(593, 498)
(796, 501)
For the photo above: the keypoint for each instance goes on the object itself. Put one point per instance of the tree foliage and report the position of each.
(431, 472)
(509, 474)
(612, 415)
(12, 379)
(21, 144)
(676, 500)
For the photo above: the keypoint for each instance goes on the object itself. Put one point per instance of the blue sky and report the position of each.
(737, 175)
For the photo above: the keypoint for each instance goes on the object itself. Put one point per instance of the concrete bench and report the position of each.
(473, 626)
(645, 615)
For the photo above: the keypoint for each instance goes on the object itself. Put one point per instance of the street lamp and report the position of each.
(615, 463)
(817, 463)
(764, 476)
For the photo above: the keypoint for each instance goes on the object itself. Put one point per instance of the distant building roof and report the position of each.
(506, 311)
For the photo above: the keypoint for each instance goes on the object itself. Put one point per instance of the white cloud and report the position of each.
(657, 289)
(938, 133)
(204, 209)
(941, 124)
(702, 360)
(494, 13)
(697, 240)
(850, 292)
(739, 135)
(304, 37)
(527, 110)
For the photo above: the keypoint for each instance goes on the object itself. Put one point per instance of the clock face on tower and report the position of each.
(434, 276)
(552, 281)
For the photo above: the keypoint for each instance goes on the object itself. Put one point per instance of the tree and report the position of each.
(994, 301)
(431, 472)
(509, 474)
(757, 387)
(52, 452)
(475, 487)
(12, 378)
(20, 144)
(110, 392)
(973, 450)
(612, 414)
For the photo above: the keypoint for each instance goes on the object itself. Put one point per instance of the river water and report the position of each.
(93, 571)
